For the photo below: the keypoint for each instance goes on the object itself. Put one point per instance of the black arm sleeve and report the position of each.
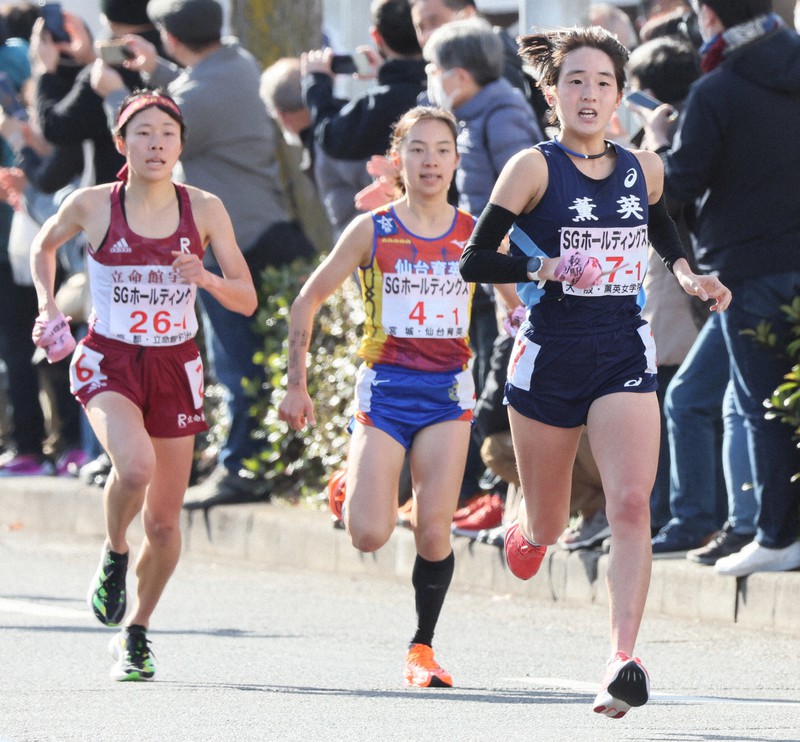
(664, 234)
(480, 262)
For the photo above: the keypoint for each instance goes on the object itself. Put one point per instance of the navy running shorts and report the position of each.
(554, 378)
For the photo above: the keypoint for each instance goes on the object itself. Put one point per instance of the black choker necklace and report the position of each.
(572, 152)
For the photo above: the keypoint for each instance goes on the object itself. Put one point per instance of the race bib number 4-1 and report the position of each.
(622, 253)
(425, 306)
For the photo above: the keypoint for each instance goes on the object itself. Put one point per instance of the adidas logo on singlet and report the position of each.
(120, 246)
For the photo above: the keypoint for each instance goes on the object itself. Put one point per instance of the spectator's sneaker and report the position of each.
(96, 471)
(488, 515)
(70, 462)
(757, 558)
(107, 597)
(492, 536)
(404, 513)
(673, 541)
(27, 465)
(470, 506)
(587, 533)
(724, 543)
(131, 650)
(422, 670)
(522, 557)
(625, 685)
(225, 487)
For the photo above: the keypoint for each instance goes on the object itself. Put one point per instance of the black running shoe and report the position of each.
(131, 650)
(107, 589)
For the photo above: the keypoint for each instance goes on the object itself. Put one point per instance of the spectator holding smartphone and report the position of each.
(68, 109)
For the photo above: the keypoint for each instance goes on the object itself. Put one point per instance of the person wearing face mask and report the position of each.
(465, 75)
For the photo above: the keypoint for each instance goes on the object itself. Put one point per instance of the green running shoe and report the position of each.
(131, 650)
(107, 590)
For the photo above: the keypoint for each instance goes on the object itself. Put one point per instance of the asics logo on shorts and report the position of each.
(633, 382)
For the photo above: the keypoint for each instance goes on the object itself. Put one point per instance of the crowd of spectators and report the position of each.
(724, 485)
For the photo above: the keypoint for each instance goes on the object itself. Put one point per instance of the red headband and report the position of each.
(146, 101)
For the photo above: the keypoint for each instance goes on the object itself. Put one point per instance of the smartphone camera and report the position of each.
(54, 21)
(113, 52)
(356, 63)
(638, 98)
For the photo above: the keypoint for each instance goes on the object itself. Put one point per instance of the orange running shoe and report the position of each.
(522, 557)
(422, 670)
(336, 492)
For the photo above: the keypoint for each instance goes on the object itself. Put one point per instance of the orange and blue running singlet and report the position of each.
(417, 305)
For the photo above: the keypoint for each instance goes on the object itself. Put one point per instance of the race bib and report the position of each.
(149, 314)
(622, 253)
(194, 373)
(425, 306)
(84, 369)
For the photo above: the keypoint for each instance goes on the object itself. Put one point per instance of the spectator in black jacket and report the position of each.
(360, 128)
(71, 112)
(736, 155)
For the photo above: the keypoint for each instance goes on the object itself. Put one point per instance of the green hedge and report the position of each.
(300, 463)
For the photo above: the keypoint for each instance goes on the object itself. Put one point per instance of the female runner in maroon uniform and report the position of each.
(138, 373)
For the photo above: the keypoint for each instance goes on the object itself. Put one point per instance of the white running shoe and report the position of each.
(757, 558)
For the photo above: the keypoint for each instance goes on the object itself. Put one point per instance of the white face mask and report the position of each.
(436, 92)
(292, 139)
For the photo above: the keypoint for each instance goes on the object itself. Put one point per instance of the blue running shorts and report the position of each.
(402, 401)
(554, 378)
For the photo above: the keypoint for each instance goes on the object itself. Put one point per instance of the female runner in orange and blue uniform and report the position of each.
(414, 391)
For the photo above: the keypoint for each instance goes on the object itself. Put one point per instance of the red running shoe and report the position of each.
(488, 515)
(422, 670)
(522, 557)
(626, 684)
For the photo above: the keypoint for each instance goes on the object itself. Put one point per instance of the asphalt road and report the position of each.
(244, 653)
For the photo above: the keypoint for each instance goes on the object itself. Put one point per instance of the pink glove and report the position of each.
(377, 194)
(579, 269)
(514, 320)
(54, 336)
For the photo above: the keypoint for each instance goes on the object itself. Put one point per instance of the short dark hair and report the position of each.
(546, 52)
(667, 66)
(392, 19)
(733, 12)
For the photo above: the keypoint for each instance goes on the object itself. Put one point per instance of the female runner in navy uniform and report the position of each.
(138, 373)
(414, 391)
(581, 212)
